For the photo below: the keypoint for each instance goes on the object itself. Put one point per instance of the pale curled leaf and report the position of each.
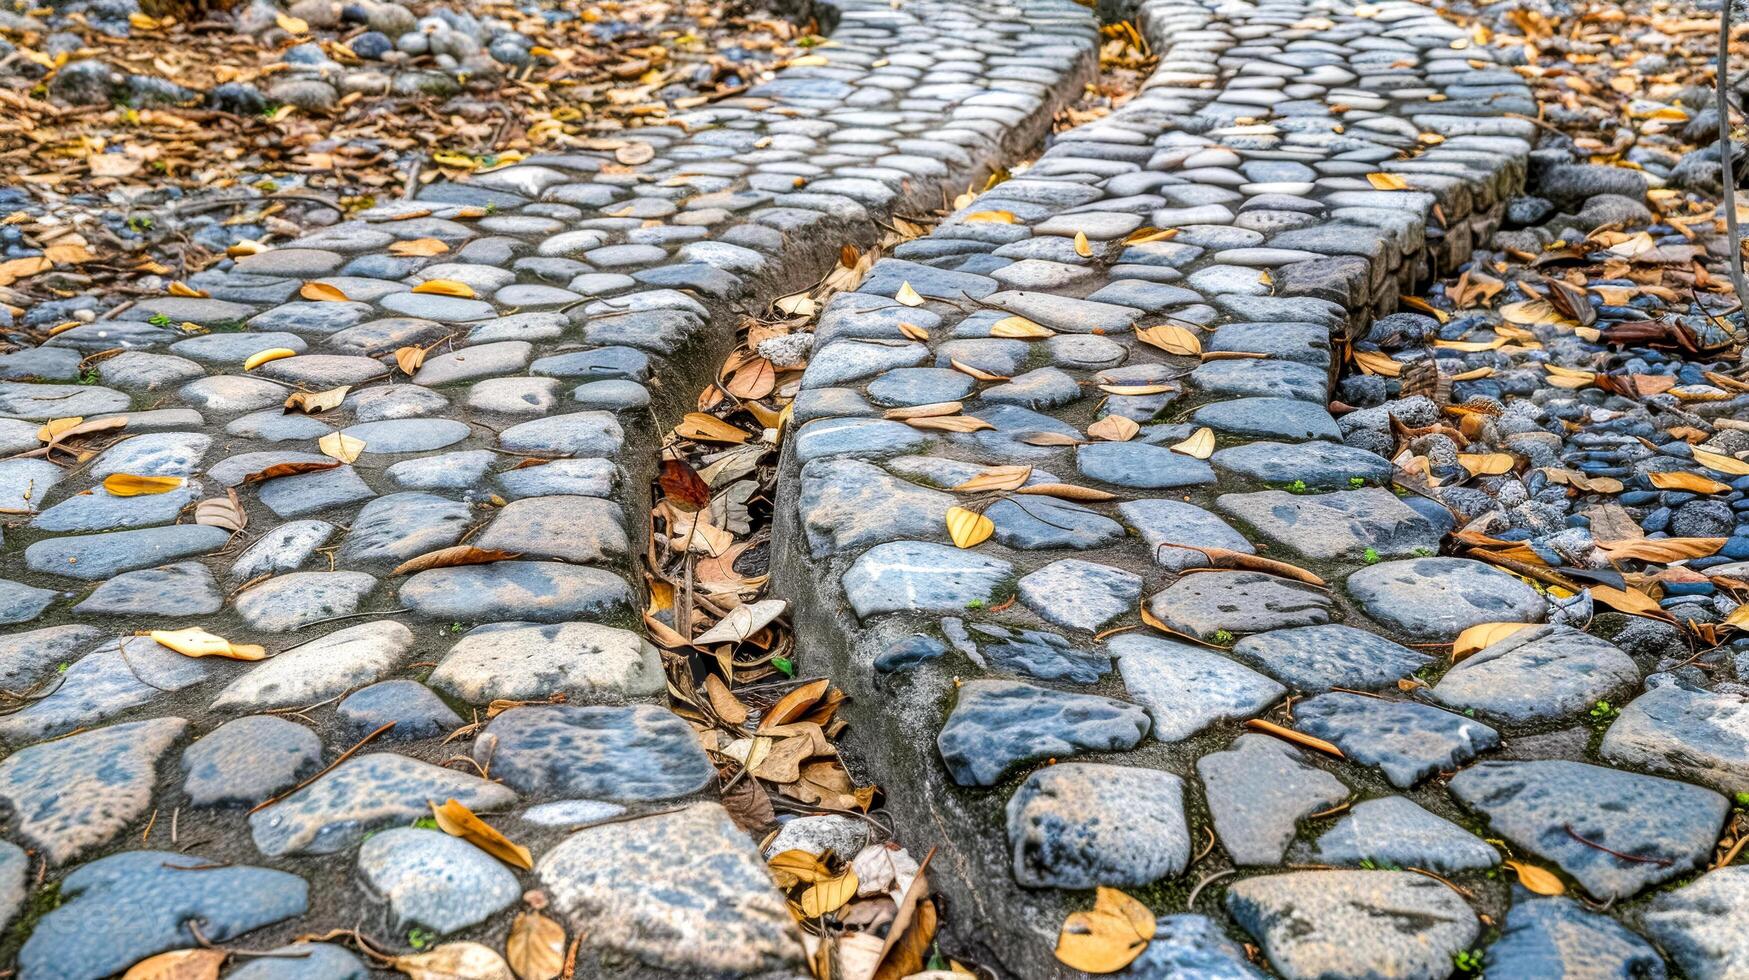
(1107, 938)
(455, 961)
(226, 512)
(179, 964)
(409, 359)
(457, 820)
(195, 642)
(1200, 445)
(535, 947)
(1171, 338)
(340, 446)
(996, 478)
(451, 557)
(1114, 428)
(742, 622)
(312, 402)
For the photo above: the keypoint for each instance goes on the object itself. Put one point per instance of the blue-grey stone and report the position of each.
(1432, 600)
(1407, 740)
(535, 591)
(1269, 418)
(281, 549)
(1190, 947)
(101, 556)
(292, 601)
(308, 493)
(584, 477)
(393, 528)
(577, 434)
(20, 603)
(1551, 809)
(1141, 466)
(1348, 524)
(414, 709)
(1685, 732)
(247, 760)
(363, 793)
(184, 589)
(920, 386)
(432, 879)
(1039, 522)
(1540, 673)
(1317, 658)
(1187, 688)
(914, 576)
(1704, 925)
(1557, 939)
(632, 753)
(74, 794)
(141, 903)
(1080, 594)
(1239, 602)
(321, 668)
(1045, 656)
(997, 725)
(1163, 523)
(1319, 465)
(1257, 793)
(1393, 831)
(1080, 824)
(1315, 924)
(120, 674)
(318, 961)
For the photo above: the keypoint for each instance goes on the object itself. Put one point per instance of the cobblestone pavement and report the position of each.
(603, 297)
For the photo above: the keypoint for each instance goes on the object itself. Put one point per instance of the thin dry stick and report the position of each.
(325, 771)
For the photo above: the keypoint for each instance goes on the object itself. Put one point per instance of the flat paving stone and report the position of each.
(1557, 937)
(1208, 603)
(28, 655)
(313, 961)
(1539, 673)
(431, 879)
(247, 760)
(182, 589)
(1319, 465)
(1187, 688)
(1549, 808)
(1348, 524)
(1394, 832)
(1704, 925)
(684, 891)
(1258, 790)
(1077, 825)
(1140, 466)
(1685, 732)
(1354, 923)
(536, 591)
(632, 753)
(141, 904)
(103, 556)
(1080, 594)
(997, 725)
(581, 530)
(1432, 600)
(1407, 740)
(526, 662)
(290, 602)
(362, 794)
(1164, 524)
(393, 528)
(123, 673)
(320, 669)
(76, 794)
(414, 710)
(1318, 658)
(846, 504)
(911, 576)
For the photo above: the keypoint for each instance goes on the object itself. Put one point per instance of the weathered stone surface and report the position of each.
(75, 794)
(317, 961)
(576, 529)
(140, 903)
(847, 504)
(1191, 947)
(410, 706)
(911, 576)
(1078, 824)
(320, 669)
(1354, 923)
(1317, 658)
(1408, 740)
(1392, 831)
(1557, 937)
(1347, 524)
(683, 891)
(1537, 674)
(290, 602)
(1432, 600)
(431, 879)
(1258, 791)
(636, 752)
(1704, 925)
(1209, 603)
(1187, 688)
(1550, 808)
(1686, 732)
(1079, 594)
(528, 662)
(536, 591)
(247, 760)
(1000, 724)
(363, 793)
(116, 676)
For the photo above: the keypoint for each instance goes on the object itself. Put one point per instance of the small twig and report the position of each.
(1660, 862)
(1190, 902)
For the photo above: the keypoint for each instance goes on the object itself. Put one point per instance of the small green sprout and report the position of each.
(425, 823)
(420, 938)
(1370, 555)
(159, 320)
(975, 604)
(1468, 960)
(1298, 486)
(1603, 711)
(1357, 482)
(1742, 798)
(1222, 638)
(784, 664)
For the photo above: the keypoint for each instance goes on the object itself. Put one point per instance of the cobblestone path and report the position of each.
(604, 296)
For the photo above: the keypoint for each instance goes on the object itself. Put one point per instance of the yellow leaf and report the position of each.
(180, 288)
(536, 945)
(1539, 880)
(128, 485)
(1661, 550)
(1720, 463)
(1377, 362)
(1482, 636)
(926, 411)
(1298, 738)
(998, 217)
(1200, 445)
(968, 528)
(1107, 938)
(1691, 482)
(1114, 428)
(263, 356)
(1171, 338)
(913, 331)
(1146, 234)
(797, 304)
(1628, 601)
(1082, 247)
(1387, 182)
(1531, 312)
(996, 478)
(1019, 328)
(1154, 389)
(311, 402)
(321, 292)
(337, 445)
(55, 427)
(454, 961)
(829, 895)
(445, 287)
(409, 358)
(1471, 346)
(908, 296)
(419, 248)
(949, 423)
(179, 964)
(459, 821)
(195, 642)
(1487, 464)
(709, 428)
(291, 25)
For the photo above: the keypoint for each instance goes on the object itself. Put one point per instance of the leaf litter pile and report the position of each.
(145, 150)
